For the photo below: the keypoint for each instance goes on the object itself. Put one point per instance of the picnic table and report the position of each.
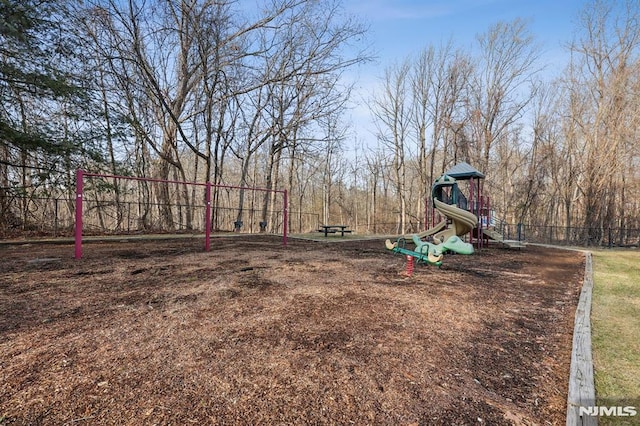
(332, 229)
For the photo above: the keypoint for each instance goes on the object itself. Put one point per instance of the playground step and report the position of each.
(493, 234)
(496, 236)
(513, 243)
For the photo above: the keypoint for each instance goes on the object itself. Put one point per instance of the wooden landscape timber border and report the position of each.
(581, 384)
(582, 391)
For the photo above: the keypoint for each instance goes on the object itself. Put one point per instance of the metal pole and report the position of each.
(55, 223)
(480, 224)
(489, 217)
(207, 217)
(519, 231)
(426, 213)
(78, 233)
(285, 217)
(471, 209)
(483, 200)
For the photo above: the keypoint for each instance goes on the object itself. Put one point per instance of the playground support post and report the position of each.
(207, 217)
(483, 206)
(426, 214)
(489, 218)
(78, 230)
(484, 210)
(285, 217)
(520, 233)
(472, 206)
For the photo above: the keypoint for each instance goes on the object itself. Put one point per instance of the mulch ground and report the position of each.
(257, 333)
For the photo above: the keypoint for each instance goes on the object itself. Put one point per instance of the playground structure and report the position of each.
(459, 216)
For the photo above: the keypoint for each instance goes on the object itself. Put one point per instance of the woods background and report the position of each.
(216, 91)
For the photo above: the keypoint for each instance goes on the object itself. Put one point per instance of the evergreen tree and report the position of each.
(34, 77)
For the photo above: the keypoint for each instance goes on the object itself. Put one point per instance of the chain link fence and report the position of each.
(571, 235)
(55, 217)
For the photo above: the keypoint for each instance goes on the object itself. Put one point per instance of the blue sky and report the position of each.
(399, 28)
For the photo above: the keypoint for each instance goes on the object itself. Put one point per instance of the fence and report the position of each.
(39, 216)
(571, 235)
(55, 217)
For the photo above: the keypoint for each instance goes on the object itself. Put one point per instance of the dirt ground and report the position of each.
(257, 333)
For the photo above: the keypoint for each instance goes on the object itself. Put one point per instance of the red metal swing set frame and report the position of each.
(81, 174)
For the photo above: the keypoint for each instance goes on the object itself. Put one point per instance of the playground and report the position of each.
(255, 332)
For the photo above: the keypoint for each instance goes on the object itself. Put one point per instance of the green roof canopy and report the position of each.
(464, 171)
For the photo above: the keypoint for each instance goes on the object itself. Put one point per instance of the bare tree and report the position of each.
(376, 169)
(391, 110)
(499, 92)
(331, 164)
(537, 170)
(604, 62)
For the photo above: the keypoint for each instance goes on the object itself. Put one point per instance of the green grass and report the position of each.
(615, 320)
